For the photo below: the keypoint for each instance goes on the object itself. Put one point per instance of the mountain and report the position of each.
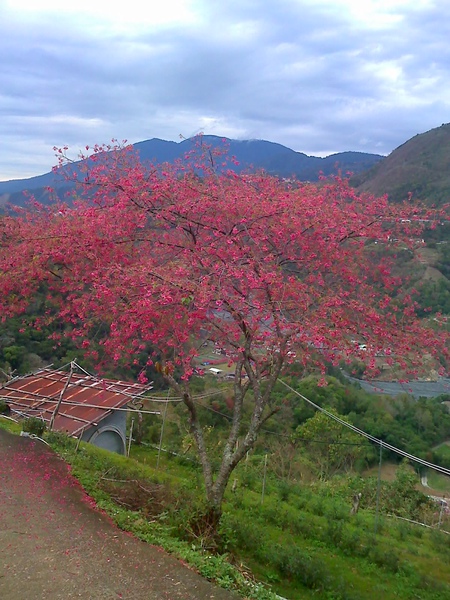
(261, 154)
(420, 166)
(250, 154)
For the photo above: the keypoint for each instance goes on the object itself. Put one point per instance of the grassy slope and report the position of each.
(421, 166)
(301, 540)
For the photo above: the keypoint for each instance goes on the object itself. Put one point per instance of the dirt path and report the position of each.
(55, 545)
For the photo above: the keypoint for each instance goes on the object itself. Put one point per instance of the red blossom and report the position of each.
(270, 270)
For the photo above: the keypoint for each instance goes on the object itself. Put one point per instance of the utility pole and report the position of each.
(162, 430)
(378, 489)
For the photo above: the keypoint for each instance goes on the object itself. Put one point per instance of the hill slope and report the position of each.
(420, 166)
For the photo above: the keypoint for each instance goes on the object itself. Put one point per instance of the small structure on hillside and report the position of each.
(215, 371)
(76, 403)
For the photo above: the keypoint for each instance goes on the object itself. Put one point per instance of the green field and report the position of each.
(293, 534)
(299, 540)
(443, 450)
(439, 482)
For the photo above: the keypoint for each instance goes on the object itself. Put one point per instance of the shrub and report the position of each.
(249, 479)
(333, 532)
(248, 534)
(34, 426)
(352, 543)
(4, 408)
(284, 490)
(61, 440)
(295, 564)
(385, 558)
(305, 525)
(439, 541)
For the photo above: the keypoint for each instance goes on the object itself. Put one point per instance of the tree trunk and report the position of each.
(232, 454)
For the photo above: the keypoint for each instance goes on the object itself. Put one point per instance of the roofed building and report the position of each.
(76, 403)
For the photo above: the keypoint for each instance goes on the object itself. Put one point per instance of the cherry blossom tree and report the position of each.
(168, 257)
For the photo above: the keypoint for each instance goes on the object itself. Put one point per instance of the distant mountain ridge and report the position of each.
(274, 158)
(420, 166)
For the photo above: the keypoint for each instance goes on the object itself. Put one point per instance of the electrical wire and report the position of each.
(285, 435)
(385, 445)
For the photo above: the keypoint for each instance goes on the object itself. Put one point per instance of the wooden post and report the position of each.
(441, 511)
(79, 440)
(356, 501)
(131, 436)
(264, 479)
(58, 404)
(378, 490)
(162, 430)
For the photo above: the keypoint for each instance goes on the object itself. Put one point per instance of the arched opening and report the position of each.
(110, 439)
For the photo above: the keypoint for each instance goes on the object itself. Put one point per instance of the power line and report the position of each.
(416, 459)
(180, 399)
(285, 435)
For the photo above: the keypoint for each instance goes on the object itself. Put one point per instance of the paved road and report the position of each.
(55, 545)
(417, 389)
(424, 481)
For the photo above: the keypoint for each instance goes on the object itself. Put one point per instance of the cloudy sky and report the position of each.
(319, 76)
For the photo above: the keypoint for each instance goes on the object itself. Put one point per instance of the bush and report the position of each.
(60, 440)
(305, 526)
(4, 408)
(386, 558)
(333, 532)
(34, 426)
(352, 543)
(296, 564)
(284, 489)
(249, 479)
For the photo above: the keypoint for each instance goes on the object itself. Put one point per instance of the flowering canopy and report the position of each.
(176, 256)
(273, 271)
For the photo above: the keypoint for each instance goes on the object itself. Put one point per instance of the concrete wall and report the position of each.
(110, 433)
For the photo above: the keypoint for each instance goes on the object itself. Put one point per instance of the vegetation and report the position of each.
(279, 291)
(26, 346)
(163, 260)
(441, 454)
(299, 539)
(33, 426)
(4, 408)
(419, 167)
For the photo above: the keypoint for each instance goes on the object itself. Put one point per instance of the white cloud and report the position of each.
(107, 15)
(319, 76)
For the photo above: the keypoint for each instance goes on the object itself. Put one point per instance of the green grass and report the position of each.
(9, 425)
(443, 450)
(301, 541)
(438, 482)
(306, 545)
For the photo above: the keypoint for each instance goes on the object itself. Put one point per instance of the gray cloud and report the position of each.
(310, 75)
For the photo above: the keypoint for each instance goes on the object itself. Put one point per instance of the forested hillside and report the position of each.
(419, 168)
